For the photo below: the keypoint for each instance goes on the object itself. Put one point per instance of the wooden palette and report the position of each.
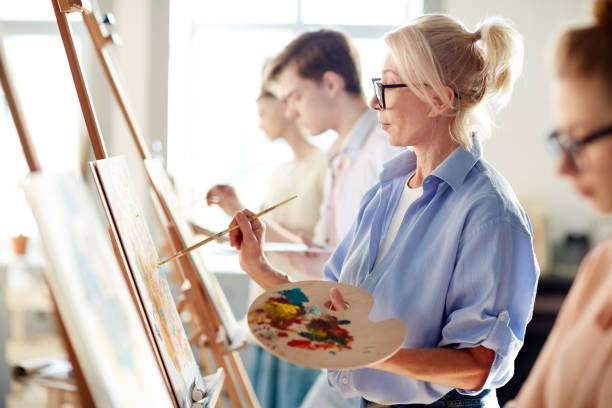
(295, 323)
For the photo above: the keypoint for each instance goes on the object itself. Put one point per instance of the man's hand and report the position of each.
(225, 197)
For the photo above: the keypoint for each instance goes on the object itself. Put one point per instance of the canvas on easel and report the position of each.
(159, 180)
(213, 324)
(118, 362)
(136, 245)
(157, 173)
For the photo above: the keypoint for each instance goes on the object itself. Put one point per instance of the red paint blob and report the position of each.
(301, 344)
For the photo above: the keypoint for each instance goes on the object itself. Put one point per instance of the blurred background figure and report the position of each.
(574, 367)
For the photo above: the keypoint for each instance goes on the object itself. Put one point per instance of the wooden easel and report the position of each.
(29, 153)
(77, 391)
(210, 328)
(161, 199)
(209, 325)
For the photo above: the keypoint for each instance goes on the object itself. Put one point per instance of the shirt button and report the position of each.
(344, 380)
(503, 316)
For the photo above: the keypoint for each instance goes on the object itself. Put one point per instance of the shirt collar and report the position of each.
(401, 165)
(360, 131)
(453, 170)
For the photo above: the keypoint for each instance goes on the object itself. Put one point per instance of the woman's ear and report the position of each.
(440, 106)
(332, 83)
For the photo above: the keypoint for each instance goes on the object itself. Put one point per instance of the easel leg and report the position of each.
(230, 381)
(238, 368)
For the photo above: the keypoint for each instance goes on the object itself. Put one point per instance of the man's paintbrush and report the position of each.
(219, 234)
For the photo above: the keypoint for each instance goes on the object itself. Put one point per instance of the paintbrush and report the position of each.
(219, 234)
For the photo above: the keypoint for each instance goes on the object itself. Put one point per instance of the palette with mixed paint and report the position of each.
(294, 322)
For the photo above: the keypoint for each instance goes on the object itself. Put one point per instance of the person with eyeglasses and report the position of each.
(441, 240)
(574, 368)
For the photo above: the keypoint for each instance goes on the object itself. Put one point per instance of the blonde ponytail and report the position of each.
(502, 48)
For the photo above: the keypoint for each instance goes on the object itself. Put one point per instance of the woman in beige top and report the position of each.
(575, 366)
(303, 176)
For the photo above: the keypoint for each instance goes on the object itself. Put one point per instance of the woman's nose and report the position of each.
(374, 103)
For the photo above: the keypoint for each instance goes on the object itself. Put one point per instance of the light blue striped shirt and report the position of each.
(461, 271)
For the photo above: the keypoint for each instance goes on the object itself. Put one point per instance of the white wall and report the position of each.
(518, 147)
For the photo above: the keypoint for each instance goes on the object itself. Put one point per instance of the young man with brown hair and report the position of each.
(319, 77)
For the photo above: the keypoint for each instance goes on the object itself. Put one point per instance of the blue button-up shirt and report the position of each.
(461, 272)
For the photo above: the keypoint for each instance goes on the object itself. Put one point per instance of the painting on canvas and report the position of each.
(126, 217)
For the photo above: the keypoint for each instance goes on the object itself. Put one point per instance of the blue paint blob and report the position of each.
(295, 296)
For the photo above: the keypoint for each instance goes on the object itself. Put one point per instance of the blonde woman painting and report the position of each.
(441, 240)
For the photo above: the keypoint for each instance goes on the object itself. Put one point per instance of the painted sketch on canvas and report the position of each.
(162, 184)
(101, 320)
(126, 216)
(295, 322)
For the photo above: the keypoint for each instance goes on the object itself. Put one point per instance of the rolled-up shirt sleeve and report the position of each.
(491, 294)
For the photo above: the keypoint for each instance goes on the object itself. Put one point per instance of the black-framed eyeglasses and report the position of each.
(379, 91)
(563, 143)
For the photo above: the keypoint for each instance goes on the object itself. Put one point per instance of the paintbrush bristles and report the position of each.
(220, 234)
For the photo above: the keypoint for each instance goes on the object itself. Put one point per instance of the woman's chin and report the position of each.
(397, 141)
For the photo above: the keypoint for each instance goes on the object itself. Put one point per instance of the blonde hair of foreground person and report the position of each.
(479, 67)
